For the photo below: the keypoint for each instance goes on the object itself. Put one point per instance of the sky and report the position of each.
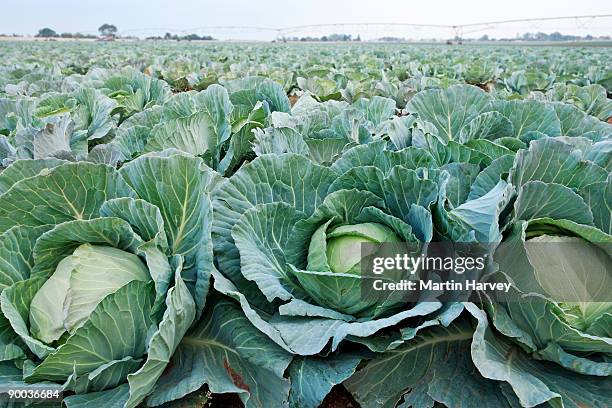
(146, 17)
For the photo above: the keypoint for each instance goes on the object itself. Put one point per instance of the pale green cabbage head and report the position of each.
(80, 282)
(105, 279)
(343, 243)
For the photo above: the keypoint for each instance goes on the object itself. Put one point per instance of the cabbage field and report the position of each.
(180, 224)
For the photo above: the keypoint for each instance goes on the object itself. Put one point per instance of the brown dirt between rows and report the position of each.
(337, 398)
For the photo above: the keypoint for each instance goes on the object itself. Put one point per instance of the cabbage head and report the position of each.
(103, 272)
(299, 242)
(288, 306)
(555, 322)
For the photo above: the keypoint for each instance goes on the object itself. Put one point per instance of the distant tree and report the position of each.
(391, 39)
(80, 36)
(484, 38)
(46, 33)
(107, 30)
(188, 37)
(339, 37)
(66, 35)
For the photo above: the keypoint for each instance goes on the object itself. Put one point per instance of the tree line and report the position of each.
(105, 30)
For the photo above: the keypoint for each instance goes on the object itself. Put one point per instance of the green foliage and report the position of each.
(179, 219)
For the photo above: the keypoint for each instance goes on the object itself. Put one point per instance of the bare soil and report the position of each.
(337, 398)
